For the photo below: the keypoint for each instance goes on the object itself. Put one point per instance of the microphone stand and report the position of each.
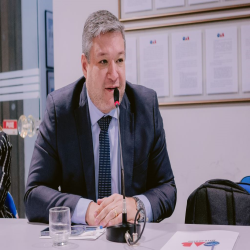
(117, 233)
(124, 205)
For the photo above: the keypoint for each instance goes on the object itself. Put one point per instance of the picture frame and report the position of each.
(49, 44)
(50, 81)
(178, 11)
(206, 23)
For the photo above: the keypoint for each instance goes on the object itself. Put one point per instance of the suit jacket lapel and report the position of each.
(127, 137)
(83, 125)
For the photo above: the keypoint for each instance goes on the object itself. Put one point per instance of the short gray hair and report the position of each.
(99, 22)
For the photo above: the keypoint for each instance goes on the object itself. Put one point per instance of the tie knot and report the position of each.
(104, 122)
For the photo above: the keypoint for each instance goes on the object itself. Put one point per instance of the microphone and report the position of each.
(116, 99)
(118, 233)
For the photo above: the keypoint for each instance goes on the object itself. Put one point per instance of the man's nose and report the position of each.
(112, 71)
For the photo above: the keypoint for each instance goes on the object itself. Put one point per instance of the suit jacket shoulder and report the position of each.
(68, 97)
(140, 96)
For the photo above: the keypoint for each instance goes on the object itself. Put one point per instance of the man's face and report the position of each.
(106, 70)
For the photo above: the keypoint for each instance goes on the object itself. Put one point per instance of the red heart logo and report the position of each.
(199, 243)
(187, 244)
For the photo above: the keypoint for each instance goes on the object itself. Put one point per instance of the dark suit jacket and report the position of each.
(63, 153)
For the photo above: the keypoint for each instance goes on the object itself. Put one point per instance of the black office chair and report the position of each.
(218, 202)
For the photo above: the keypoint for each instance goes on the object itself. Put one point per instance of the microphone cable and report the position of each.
(135, 239)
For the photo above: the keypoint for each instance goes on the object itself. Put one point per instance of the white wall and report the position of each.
(204, 142)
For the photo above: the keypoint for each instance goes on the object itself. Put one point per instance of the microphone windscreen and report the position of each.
(116, 95)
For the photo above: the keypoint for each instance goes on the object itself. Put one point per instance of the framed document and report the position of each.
(49, 39)
(194, 62)
(50, 81)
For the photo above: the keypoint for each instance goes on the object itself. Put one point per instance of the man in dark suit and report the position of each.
(76, 158)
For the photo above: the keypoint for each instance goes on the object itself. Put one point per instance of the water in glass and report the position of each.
(59, 225)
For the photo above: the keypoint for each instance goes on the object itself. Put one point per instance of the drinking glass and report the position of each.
(59, 225)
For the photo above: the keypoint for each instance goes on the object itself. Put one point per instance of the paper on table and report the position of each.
(245, 57)
(187, 63)
(154, 63)
(137, 5)
(221, 60)
(89, 235)
(205, 240)
(201, 1)
(168, 3)
(131, 65)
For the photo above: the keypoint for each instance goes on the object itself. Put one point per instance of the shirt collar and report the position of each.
(96, 114)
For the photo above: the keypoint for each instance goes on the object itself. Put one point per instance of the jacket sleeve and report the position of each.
(45, 172)
(161, 189)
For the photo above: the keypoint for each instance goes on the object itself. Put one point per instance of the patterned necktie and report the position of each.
(104, 182)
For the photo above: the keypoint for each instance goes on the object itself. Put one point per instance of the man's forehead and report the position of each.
(109, 43)
(103, 53)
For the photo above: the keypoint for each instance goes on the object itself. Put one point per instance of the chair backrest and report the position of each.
(219, 202)
(246, 179)
(245, 183)
(9, 202)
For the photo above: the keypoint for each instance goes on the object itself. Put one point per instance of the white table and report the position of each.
(19, 234)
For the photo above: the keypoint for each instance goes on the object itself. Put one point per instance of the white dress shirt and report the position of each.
(83, 203)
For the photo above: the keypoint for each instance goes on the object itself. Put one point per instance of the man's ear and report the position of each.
(84, 63)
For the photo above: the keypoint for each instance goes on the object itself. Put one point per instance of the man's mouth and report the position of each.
(110, 89)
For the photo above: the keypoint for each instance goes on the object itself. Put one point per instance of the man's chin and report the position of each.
(106, 108)
(109, 105)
